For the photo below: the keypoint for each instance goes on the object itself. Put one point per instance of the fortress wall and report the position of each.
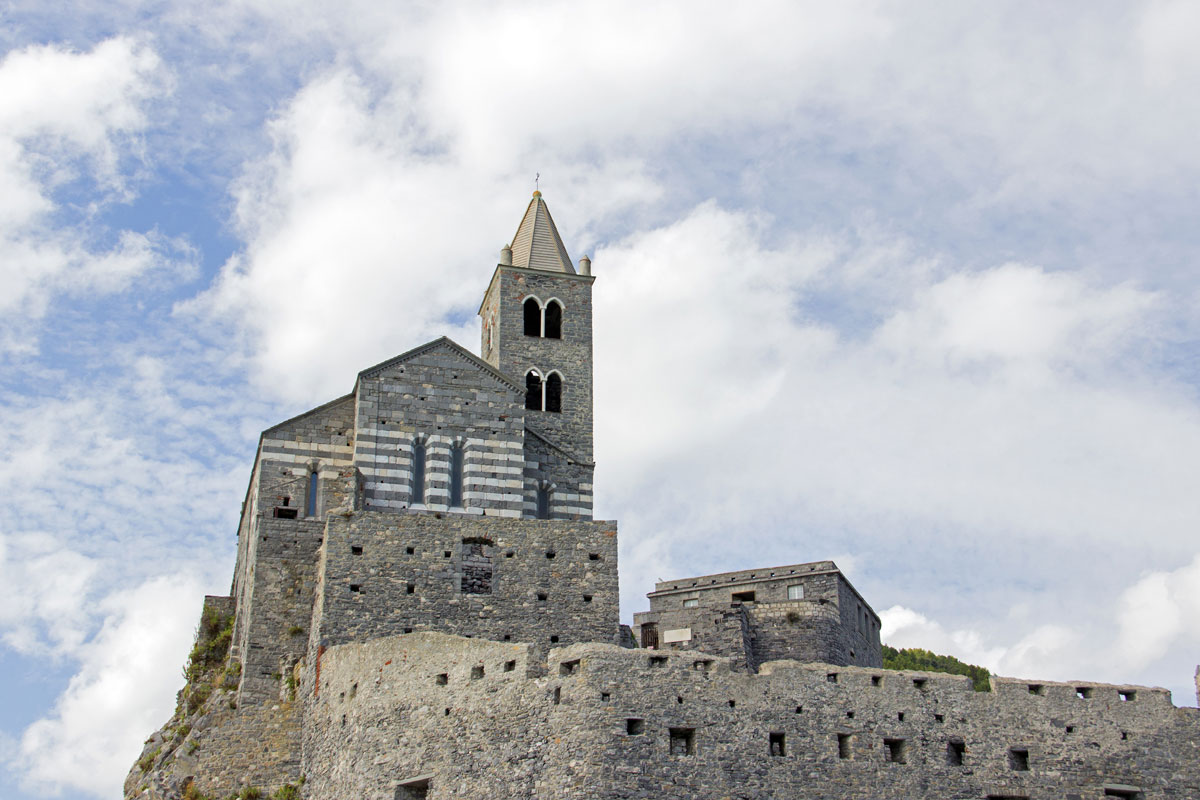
(602, 721)
(860, 627)
(440, 395)
(383, 716)
(326, 434)
(382, 589)
(273, 616)
(801, 630)
(718, 631)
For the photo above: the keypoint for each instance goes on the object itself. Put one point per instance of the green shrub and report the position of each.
(147, 761)
(286, 792)
(295, 630)
(916, 658)
(196, 697)
(213, 636)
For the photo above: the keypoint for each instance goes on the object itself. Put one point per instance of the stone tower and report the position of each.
(537, 328)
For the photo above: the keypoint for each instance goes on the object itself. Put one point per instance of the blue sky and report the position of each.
(910, 288)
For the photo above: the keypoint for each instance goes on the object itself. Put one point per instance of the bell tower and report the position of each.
(537, 329)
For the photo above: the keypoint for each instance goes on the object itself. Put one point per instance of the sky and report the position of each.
(908, 286)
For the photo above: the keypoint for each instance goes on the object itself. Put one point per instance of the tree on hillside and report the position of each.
(916, 658)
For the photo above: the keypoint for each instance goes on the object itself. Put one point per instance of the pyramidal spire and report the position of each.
(537, 244)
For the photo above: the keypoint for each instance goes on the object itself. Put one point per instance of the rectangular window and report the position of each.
(777, 744)
(954, 752)
(796, 591)
(1018, 759)
(417, 495)
(897, 750)
(743, 597)
(456, 475)
(691, 603)
(635, 727)
(845, 753)
(683, 741)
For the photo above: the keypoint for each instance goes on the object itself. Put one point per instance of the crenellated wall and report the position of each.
(475, 721)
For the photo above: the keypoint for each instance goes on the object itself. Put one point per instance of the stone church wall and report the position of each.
(551, 582)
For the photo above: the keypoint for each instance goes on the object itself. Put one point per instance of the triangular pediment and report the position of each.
(537, 244)
(448, 345)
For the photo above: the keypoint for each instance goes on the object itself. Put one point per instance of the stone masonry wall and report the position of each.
(273, 617)
(441, 396)
(552, 582)
(515, 353)
(614, 723)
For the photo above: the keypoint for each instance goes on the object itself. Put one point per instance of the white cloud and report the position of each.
(68, 117)
(124, 690)
(1157, 614)
(41, 585)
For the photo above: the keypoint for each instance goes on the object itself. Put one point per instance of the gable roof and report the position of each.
(536, 244)
(452, 346)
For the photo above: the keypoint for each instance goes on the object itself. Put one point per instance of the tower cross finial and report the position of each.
(537, 177)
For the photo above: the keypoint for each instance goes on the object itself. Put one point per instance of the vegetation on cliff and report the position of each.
(916, 658)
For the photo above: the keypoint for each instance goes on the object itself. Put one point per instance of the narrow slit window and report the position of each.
(554, 316)
(533, 390)
(777, 744)
(845, 752)
(543, 502)
(533, 317)
(313, 481)
(456, 475)
(554, 392)
(955, 749)
(418, 472)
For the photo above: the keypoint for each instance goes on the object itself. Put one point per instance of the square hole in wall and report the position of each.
(955, 749)
(919, 683)
(554, 639)
(355, 550)
(683, 741)
(939, 718)
(587, 598)
(832, 677)
(411, 588)
(442, 679)
(900, 716)
(605, 697)
(777, 744)
(509, 554)
(849, 715)
(476, 672)
(410, 550)
(1083, 692)
(1127, 695)
(1037, 688)
(541, 596)
(509, 666)
(877, 680)
(635, 726)
(568, 667)
(1018, 759)
(658, 661)
(354, 587)
(445, 554)
(897, 750)
(594, 557)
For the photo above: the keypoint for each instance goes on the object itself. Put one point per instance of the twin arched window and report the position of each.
(543, 321)
(543, 395)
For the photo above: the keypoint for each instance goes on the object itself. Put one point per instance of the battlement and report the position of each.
(603, 721)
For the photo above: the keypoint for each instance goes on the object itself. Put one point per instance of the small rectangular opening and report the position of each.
(658, 661)
(285, 513)
(605, 697)
(442, 679)
(593, 556)
(445, 554)
(549, 554)
(1127, 695)
(845, 753)
(900, 716)
(1018, 759)
(831, 677)
(355, 550)
(509, 666)
(476, 672)
(1083, 692)
(1036, 688)
(939, 718)
(897, 750)
(877, 680)
(1008, 797)
(568, 667)
(414, 789)
(954, 752)
(777, 743)
(557, 695)
(919, 683)
(410, 550)
(743, 597)
(411, 588)
(691, 602)
(587, 598)
(354, 587)
(683, 741)
(541, 596)
(635, 727)
(1125, 793)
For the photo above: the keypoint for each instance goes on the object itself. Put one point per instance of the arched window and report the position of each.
(554, 316)
(533, 317)
(533, 390)
(456, 475)
(554, 392)
(312, 493)
(418, 473)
